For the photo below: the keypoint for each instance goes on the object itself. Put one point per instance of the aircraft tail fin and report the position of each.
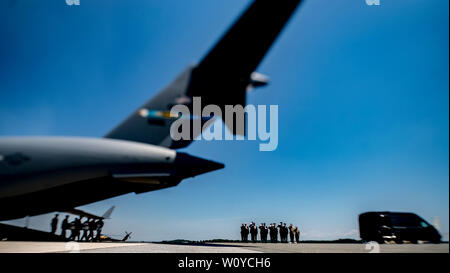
(222, 77)
(107, 214)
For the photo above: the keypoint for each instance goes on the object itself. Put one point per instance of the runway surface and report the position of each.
(344, 248)
(54, 247)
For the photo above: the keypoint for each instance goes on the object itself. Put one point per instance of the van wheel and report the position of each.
(414, 242)
(399, 241)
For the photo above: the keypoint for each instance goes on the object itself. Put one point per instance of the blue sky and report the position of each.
(363, 95)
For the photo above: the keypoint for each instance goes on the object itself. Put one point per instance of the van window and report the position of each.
(404, 220)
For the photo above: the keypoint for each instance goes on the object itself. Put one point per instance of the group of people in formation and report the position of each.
(272, 230)
(89, 230)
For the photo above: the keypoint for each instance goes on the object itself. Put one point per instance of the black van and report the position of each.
(396, 226)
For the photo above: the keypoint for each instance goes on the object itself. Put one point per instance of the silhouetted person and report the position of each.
(291, 233)
(65, 226)
(85, 228)
(281, 230)
(72, 230)
(246, 232)
(266, 232)
(92, 226)
(273, 233)
(280, 227)
(253, 232)
(243, 230)
(297, 235)
(285, 233)
(54, 224)
(99, 228)
(263, 232)
(76, 227)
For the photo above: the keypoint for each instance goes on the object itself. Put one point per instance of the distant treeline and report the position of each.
(188, 242)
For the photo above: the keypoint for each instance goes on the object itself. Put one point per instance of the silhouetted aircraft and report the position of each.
(45, 174)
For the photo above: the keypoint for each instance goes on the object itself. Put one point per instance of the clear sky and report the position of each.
(363, 95)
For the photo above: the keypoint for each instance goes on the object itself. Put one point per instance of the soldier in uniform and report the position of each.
(65, 226)
(291, 233)
(281, 230)
(275, 233)
(263, 232)
(85, 228)
(270, 232)
(72, 230)
(247, 232)
(253, 232)
(285, 232)
(92, 225)
(266, 232)
(100, 224)
(297, 235)
(76, 227)
(243, 232)
(54, 224)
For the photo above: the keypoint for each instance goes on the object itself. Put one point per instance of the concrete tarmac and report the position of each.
(72, 247)
(55, 247)
(344, 248)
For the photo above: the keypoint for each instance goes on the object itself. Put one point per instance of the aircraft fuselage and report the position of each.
(36, 173)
